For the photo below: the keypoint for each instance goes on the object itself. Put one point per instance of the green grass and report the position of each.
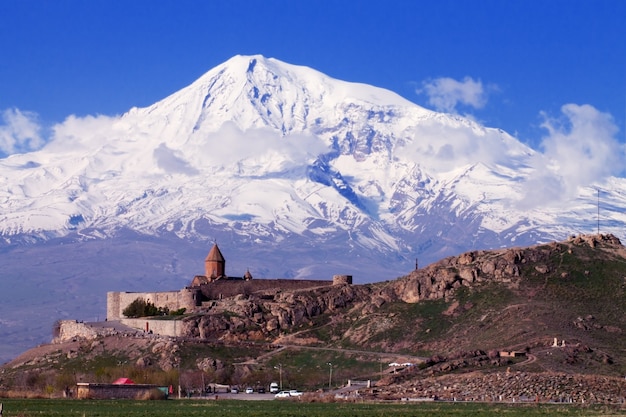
(101, 361)
(191, 408)
(589, 284)
(398, 321)
(488, 295)
(308, 369)
(191, 352)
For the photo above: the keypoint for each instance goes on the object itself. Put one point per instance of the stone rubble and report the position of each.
(508, 387)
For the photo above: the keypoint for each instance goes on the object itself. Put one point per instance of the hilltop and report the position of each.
(551, 313)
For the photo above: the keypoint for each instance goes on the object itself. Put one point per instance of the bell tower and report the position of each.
(215, 264)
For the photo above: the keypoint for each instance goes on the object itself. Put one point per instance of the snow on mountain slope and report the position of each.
(256, 141)
(297, 173)
(259, 92)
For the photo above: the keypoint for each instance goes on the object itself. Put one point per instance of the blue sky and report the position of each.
(508, 64)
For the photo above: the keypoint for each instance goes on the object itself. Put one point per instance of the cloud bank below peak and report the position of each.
(580, 148)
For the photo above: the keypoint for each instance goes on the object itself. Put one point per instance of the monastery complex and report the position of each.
(205, 289)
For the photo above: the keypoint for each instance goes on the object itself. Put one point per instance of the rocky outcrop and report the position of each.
(266, 315)
(440, 280)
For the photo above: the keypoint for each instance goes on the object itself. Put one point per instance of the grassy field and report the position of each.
(190, 408)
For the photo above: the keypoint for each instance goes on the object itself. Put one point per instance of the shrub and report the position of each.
(178, 312)
(142, 308)
(153, 394)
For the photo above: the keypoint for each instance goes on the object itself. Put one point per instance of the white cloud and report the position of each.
(581, 149)
(84, 129)
(20, 132)
(172, 161)
(445, 94)
(445, 147)
(255, 150)
(228, 150)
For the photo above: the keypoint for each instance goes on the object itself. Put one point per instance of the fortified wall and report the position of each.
(224, 289)
(174, 300)
(171, 328)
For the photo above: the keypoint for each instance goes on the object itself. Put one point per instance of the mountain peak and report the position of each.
(259, 92)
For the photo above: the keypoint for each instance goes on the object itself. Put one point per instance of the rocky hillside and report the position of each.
(519, 287)
(559, 306)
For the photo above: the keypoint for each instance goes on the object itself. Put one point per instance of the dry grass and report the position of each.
(28, 394)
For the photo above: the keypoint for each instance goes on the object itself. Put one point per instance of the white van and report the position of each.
(274, 388)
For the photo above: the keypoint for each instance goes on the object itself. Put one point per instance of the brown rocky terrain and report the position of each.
(507, 386)
(559, 306)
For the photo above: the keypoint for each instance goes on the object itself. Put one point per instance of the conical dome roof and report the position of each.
(215, 255)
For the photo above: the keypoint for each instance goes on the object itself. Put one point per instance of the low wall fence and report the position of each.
(172, 328)
(86, 390)
(359, 383)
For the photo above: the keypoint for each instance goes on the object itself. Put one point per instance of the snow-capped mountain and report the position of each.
(294, 173)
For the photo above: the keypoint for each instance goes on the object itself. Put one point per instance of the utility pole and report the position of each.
(598, 211)
(330, 376)
(179, 387)
(280, 375)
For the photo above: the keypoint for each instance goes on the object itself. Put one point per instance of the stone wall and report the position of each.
(173, 300)
(69, 329)
(223, 289)
(171, 328)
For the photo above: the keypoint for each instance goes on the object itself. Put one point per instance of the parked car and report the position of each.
(283, 394)
(261, 390)
(234, 391)
(249, 390)
(274, 387)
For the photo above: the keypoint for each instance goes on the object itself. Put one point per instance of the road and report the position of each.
(228, 396)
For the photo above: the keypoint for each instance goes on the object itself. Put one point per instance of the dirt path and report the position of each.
(392, 357)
